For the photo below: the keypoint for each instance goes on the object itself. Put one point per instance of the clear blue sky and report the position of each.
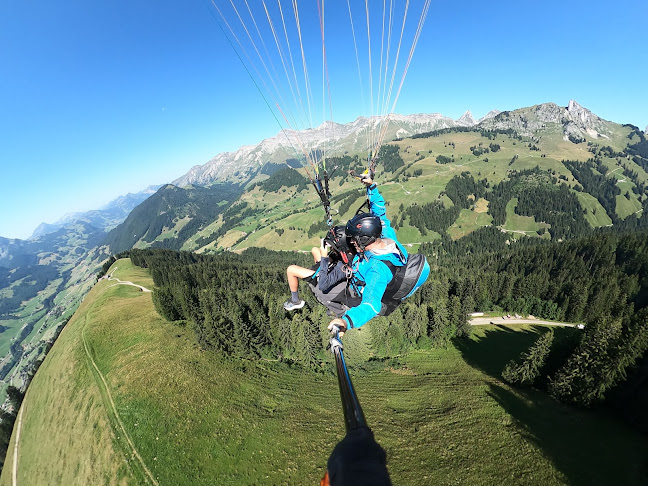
(98, 99)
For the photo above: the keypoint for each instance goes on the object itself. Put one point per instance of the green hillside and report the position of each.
(170, 216)
(444, 184)
(41, 286)
(125, 397)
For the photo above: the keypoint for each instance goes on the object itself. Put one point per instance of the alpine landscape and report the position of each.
(379, 243)
(152, 343)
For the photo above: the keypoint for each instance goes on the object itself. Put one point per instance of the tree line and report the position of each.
(600, 280)
(234, 304)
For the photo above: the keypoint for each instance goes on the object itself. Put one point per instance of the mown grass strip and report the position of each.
(115, 419)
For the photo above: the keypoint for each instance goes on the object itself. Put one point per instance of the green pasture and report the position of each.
(397, 188)
(626, 207)
(195, 417)
(641, 173)
(521, 224)
(470, 220)
(595, 214)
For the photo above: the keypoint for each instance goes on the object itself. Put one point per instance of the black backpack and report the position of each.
(406, 279)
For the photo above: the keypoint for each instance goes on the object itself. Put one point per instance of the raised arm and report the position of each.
(378, 208)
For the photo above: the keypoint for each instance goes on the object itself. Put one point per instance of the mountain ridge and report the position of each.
(346, 138)
(576, 121)
(105, 218)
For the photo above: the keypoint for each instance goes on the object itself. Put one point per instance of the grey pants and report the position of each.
(334, 308)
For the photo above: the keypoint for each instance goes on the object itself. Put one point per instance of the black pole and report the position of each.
(353, 416)
(357, 460)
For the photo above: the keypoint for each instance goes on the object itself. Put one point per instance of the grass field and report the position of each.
(197, 418)
(526, 225)
(595, 213)
(470, 220)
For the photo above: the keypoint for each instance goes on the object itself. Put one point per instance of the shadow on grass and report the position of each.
(490, 353)
(587, 447)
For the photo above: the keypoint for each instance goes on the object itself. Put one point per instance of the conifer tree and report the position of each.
(527, 370)
(414, 322)
(457, 317)
(593, 368)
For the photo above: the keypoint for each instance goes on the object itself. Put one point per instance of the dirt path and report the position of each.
(480, 321)
(14, 474)
(125, 282)
(112, 404)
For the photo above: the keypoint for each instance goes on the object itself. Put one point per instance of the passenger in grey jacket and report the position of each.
(327, 278)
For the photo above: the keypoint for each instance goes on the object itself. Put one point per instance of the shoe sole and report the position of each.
(295, 307)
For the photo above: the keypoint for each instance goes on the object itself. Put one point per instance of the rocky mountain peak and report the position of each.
(574, 120)
(489, 115)
(336, 139)
(580, 114)
(466, 119)
(333, 137)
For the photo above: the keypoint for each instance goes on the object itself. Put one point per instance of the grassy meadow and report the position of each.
(125, 397)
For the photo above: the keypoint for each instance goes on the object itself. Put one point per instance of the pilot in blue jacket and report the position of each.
(375, 241)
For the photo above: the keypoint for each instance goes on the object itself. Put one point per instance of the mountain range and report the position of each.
(330, 137)
(338, 139)
(259, 196)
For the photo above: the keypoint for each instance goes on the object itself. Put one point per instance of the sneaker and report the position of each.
(291, 306)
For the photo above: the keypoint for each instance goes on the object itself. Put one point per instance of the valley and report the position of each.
(194, 417)
(513, 179)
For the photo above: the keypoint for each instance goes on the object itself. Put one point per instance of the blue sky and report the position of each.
(98, 99)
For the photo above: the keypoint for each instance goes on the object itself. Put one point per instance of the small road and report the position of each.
(480, 321)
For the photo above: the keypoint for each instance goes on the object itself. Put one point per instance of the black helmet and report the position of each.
(337, 239)
(364, 229)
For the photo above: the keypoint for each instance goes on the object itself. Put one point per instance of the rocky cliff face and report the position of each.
(573, 120)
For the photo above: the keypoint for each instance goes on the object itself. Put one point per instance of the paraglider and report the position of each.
(383, 274)
(370, 272)
(327, 278)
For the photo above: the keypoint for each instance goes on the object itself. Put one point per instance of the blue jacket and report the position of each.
(370, 275)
